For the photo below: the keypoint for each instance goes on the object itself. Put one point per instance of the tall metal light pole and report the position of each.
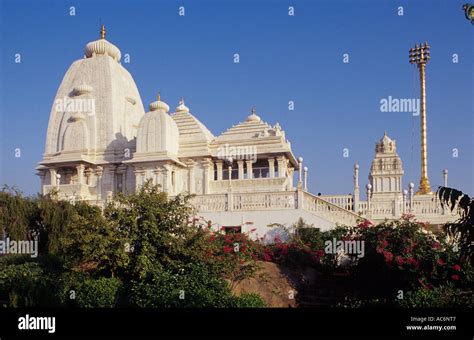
(420, 55)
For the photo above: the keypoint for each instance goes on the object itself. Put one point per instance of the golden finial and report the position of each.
(159, 96)
(254, 112)
(102, 32)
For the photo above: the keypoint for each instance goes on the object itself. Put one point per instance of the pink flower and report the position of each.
(227, 250)
(455, 277)
(440, 262)
(267, 257)
(436, 245)
(388, 256)
(399, 260)
(456, 267)
(413, 262)
(365, 224)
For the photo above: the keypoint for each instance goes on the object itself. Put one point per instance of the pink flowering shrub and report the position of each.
(400, 256)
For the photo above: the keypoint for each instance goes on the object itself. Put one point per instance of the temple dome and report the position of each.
(253, 117)
(102, 46)
(109, 110)
(386, 145)
(181, 107)
(159, 106)
(194, 137)
(157, 131)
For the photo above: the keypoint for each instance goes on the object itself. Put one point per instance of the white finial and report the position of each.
(181, 107)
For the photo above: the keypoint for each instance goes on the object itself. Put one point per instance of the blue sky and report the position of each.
(282, 58)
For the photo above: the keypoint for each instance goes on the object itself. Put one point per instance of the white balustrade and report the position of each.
(328, 210)
(264, 201)
(343, 201)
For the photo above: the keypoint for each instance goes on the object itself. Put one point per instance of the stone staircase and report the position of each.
(324, 291)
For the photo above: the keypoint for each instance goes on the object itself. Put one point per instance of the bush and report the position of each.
(248, 300)
(439, 297)
(191, 286)
(25, 284)
(100, 293)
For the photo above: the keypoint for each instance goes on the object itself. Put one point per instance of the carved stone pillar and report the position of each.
(192, 186)
(80, 173)
(99, 171)
(282, 166)
(168, 185)
(157, 177)
(271, 166)
(122, 171)
(300, 170)
(356, 188)
(249, 169)
(138, 177)
(208, 173)
(240, 164)
(42, 175)
(87, 176)
(219, 165)
(52, 176)
(291, 172)
(305, 177)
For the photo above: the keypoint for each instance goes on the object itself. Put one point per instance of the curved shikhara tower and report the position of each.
(93, 123)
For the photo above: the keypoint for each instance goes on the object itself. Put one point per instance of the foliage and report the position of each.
(405, 257)
(463, 229)
(233, 256)
(191, 286)
(25, 283)
(152, 228)
(444, 296)
(140, 250)
(144, 250)
(247, 300)
(16, 214)
(102, 292)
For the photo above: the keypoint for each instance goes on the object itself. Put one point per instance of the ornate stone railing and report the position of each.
(274, 185)
(424, 208)
(328, 210)
(67, 191)
(343, 201)
(210, 203)
(385, 208)
(363, 208)
(264, 201)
